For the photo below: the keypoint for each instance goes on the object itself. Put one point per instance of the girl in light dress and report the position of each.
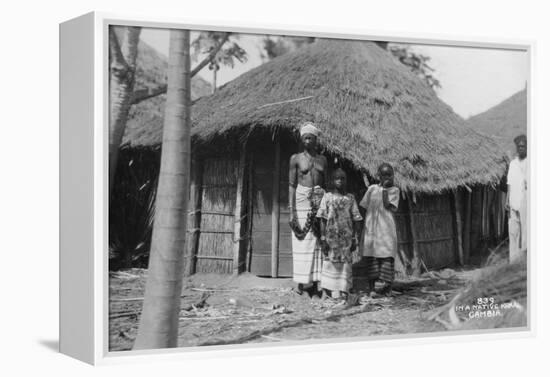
(379, 242)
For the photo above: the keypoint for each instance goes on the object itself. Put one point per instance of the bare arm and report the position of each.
(324, 244)
(355, 237)
(357, 224)
(386, 202)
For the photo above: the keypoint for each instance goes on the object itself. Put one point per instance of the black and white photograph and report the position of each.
(286, 189)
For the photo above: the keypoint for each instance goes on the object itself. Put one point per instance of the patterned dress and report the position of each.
(340, 211)
(379, 243)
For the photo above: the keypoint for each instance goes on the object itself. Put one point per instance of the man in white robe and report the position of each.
(516, 201)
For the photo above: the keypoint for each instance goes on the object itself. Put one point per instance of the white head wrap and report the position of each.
(309, 128)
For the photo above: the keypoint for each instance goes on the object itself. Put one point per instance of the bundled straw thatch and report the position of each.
(369, 106)
(504, 121)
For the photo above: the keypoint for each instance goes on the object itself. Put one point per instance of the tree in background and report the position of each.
(132, 204)
(215, 46)
(122, 58)
(207, 41)
(158, 326)
(417, 63)
(274, 46)
(122, 69)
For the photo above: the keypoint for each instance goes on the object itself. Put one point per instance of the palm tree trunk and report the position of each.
(158, 326)
(121, 88)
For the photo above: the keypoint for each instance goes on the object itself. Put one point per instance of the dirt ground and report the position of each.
(222, 309)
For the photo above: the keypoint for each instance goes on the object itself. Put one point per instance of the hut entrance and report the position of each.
(271, 253)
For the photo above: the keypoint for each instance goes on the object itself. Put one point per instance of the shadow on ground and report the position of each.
(52, 345)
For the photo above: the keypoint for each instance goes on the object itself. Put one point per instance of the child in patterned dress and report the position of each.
(340, 227)
(379, 243)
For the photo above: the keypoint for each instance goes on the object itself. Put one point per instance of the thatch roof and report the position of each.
(151, 71)
(370, 107)
(504, 121)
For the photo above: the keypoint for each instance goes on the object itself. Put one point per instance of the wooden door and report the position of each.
(265, 195)
(262, 203)
(285, 234)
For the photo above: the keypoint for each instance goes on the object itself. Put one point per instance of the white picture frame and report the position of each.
(84, 184)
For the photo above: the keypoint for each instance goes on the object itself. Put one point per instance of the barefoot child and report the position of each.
(379, 244)
(340, 226)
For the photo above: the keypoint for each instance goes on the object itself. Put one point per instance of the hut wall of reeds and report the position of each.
(370, 109)
(263, 198)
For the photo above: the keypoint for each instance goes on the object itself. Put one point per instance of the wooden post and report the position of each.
(416, 262)
(467, 227)
(249, 209)
(484, 213)
(458, 219)
(498, 217)
(237, 230)
(501, 215)
(491, 218)
(275, 213)
(194, 223)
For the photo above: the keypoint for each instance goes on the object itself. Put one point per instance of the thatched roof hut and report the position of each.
(371, 109)
(130, 214)
(503, 122)
(151, 72)
(369, 106)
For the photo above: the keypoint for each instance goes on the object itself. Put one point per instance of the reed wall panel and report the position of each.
(219, 185)
(475, 232)
(435, 232)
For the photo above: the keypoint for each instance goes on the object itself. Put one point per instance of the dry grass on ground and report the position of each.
(225, 309)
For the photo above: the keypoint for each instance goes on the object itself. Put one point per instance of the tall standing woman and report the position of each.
(307, 178)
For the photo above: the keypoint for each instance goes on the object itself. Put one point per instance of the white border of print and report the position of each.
(101, 353)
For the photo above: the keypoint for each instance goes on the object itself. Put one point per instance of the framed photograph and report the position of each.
(225, 187)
